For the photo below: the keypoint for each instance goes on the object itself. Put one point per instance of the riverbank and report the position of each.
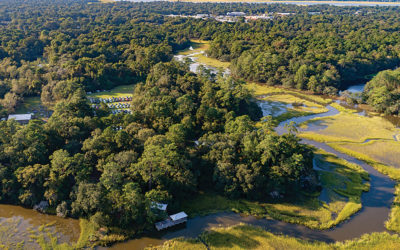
(250, 237)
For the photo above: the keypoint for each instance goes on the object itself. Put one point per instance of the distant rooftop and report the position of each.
(20, 117)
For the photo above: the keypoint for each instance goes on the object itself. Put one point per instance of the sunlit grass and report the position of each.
(390, 171)
(262, 89)
(386, 152)
(251, 237)
(198, 49)
(88, 229)
(350, 128)
(120, 91)
(393, 223)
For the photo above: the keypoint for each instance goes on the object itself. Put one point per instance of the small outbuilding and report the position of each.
(159, 206)
(21, 118)
(173, 220)
(181, 216)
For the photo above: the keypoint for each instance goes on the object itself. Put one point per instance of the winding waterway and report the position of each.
(375, 209)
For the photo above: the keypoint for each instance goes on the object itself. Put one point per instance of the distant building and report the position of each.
(235, 14)
(21, 118)
(199, 16)
(264, 17)
(284, 14)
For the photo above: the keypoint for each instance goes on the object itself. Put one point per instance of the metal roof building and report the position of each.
(21, 118)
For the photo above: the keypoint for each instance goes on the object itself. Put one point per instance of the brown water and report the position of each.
(375, 210)
(18, 224)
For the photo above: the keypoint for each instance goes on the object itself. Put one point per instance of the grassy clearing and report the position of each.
(250, 237)
(198, 46)
(29, 104)
(120, 91)
(342, 181)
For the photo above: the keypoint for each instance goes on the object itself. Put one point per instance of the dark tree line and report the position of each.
(383, 92)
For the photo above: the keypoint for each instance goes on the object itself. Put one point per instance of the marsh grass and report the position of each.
(347, 127)
(199, 49)
(384, 151)
(390, 171)
(251, 237)
(265, 90)
(393, 223)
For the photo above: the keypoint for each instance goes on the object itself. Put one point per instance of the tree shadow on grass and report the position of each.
(229, 240)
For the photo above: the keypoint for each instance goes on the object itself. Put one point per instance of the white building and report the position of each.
(21, 118)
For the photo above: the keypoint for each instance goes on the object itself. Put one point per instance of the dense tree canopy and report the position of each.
(187, 132)
(383, 92)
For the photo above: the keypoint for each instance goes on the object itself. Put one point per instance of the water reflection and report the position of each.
(18, 224)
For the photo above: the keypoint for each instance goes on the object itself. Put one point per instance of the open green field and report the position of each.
(342, 184)
(120, 91)
(250, 237)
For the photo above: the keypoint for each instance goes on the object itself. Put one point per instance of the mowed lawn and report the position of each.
(120, 91)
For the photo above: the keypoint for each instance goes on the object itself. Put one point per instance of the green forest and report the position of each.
(187, 132)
